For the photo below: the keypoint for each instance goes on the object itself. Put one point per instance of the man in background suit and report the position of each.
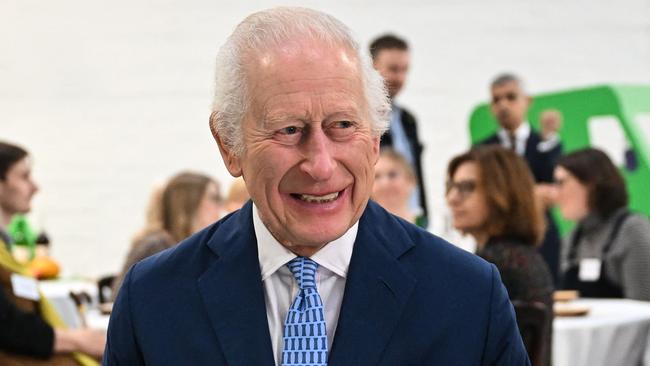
(391, 58)
(509, 105)
(310, 272)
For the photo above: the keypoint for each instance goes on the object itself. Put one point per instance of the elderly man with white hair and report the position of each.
(310, 272)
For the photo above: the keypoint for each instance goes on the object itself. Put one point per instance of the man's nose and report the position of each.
(319, 162)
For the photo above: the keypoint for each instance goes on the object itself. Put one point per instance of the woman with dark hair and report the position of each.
(490, 192)
(609, 250)
(188, 203)
(31, 332)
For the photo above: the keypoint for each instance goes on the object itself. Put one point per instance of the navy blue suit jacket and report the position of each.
(410, 299)
(541, 163)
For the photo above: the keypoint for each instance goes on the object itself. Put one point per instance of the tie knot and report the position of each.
(304, 270)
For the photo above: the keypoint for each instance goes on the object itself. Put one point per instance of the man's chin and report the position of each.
(314, 241)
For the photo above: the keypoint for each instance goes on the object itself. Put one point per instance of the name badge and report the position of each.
(589, 269)
(25, 287)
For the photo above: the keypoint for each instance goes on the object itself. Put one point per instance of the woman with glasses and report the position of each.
(188, 203)
(490, 192)
(609, 250)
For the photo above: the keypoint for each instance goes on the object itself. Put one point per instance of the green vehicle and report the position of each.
(614, 118)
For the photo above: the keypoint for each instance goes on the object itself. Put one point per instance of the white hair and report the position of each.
(269, 29)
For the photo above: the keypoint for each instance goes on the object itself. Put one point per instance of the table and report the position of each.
(615, 332)
(58, 293)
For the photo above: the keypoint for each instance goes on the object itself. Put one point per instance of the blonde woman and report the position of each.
(188, 203)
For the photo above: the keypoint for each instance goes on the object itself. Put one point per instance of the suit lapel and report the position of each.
(232, 292)
(376, 290)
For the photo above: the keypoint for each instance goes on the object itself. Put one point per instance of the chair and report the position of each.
(533, 319)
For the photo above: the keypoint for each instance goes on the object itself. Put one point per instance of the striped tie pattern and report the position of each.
(305, 336)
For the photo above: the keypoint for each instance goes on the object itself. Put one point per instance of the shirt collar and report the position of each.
(335, 255)
(521, 133)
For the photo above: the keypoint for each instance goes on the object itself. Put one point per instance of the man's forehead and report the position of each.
(304, 50)
(508, 86)
(394, 52)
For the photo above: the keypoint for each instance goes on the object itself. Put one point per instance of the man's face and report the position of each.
(17, 189)
(309, 151)
(509, 104)
(393, 65)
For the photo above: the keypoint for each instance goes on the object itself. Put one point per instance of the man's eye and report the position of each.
(343, 124)
(342, 129)
(289, 134)
(290, 130)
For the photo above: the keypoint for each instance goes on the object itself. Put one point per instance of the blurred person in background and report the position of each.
(509, 105)
(391, 58)
(186, 204)
(394, 184)
(31, 332)
(608, 252)
(490, 192)
(237, 196)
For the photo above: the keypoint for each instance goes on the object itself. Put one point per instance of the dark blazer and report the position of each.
(410, 299)
(410, 129)
(541, 163)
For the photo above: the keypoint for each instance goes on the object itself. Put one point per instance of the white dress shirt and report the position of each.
(521, 138)
(280, 287)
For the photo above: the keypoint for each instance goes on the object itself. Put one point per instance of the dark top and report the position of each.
(23, 332)
(622, 242)
(524, 273)
(410, 130)
(523, 270)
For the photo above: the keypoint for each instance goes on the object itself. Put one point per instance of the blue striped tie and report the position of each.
(305, 336)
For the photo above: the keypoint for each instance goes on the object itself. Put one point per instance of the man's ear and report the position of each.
(229, 158)
(376, 147)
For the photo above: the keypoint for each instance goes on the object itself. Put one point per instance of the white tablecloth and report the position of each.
(615, 332)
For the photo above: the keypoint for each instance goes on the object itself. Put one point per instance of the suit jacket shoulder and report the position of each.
(200, 302)
(439, 305)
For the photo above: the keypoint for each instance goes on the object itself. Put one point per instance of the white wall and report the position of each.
(111, 97)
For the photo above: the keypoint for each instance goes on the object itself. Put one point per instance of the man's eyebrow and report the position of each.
(272, 118)
(348, 110)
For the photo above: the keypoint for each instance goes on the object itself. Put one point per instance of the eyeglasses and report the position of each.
(463, 187)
